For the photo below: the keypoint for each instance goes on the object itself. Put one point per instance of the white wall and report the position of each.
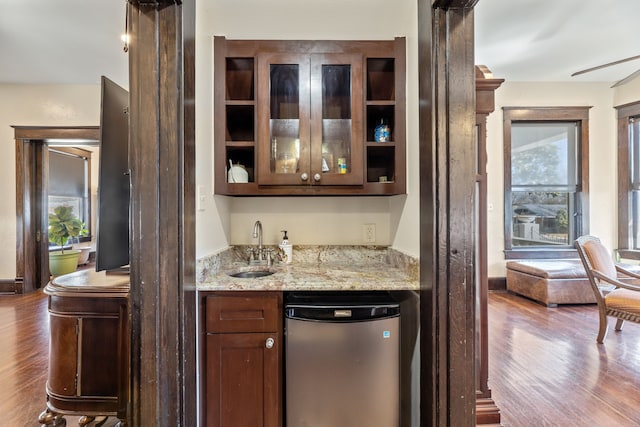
(327, 220)
(602, 153)
(627, 93)
(34, 105)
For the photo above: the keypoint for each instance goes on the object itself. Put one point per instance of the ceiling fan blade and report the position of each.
(620, 61)
(627, 79)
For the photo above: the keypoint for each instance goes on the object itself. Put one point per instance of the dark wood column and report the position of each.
(447, 185)
(486, 410)
(162, 299)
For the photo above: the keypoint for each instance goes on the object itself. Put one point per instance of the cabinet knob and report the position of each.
(269, 343)
(317, 177)
(304, 176)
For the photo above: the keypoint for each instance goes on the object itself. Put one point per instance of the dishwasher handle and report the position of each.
(351, 313)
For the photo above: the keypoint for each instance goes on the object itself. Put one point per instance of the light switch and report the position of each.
(201, 198)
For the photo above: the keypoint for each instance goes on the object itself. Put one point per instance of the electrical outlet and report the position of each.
(369, 233)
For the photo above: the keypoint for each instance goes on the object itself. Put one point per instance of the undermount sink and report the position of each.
(252, 274)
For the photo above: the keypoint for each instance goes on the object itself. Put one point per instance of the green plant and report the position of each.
(64, 225)
(562, 219)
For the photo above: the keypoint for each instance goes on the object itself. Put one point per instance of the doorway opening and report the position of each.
(33, 144)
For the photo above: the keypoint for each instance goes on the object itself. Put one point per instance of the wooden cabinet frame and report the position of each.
(362, 149)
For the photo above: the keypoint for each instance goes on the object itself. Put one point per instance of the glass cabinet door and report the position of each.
(310, 119)
(336, 119)
(283, 122)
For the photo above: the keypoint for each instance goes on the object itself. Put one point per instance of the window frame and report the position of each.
(580, 115)
(625, 114)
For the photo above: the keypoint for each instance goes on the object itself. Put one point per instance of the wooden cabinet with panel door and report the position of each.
(88, 373)
(243, 359)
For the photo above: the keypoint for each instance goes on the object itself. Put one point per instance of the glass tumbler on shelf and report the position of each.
(286, 163)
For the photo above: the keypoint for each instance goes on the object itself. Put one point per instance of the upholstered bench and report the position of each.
(550, 282)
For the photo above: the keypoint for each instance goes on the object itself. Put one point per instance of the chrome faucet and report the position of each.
(257, 233)
(259, 255)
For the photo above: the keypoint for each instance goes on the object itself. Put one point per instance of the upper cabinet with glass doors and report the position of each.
(309, 117)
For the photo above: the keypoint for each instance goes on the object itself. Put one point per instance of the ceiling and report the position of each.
(548, 40)
(62, 41)
(77, 41)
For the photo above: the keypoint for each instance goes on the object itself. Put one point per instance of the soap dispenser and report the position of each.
(286, 247)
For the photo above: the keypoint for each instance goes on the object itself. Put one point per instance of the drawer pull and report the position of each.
(269, 343)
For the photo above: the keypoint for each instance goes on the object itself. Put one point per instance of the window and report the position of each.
(629, 180)
(545, 178)
(70, 182)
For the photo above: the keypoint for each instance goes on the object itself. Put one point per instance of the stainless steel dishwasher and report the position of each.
(342, 353)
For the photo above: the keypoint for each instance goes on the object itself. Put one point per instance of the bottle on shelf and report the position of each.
(382, 132)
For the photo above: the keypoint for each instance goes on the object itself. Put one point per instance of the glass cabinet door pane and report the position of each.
(336, 119)
(284, 120)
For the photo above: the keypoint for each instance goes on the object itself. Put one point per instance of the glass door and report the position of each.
(283, 139)
(336, 119)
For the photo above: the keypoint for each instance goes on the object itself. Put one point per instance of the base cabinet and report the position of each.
(243, 360)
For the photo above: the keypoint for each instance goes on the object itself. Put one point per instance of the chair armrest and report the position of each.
(616, 282)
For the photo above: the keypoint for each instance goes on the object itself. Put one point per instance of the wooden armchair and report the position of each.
(615, 297)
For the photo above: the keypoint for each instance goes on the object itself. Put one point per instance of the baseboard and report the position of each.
(497, 283)
(487, 413)
(7, 286)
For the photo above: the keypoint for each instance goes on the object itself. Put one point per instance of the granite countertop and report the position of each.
(314, 268)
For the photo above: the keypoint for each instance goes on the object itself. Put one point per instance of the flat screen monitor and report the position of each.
(112, 245)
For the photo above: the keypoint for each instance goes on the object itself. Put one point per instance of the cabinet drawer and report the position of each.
(243, 313)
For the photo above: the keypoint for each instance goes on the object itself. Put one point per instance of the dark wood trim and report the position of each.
(565, 113)
(577, 114)
(454, 4)
(447, 185)
(154, 4)
(188, 215)
(429, 400)
(32, 266)
(85, 133)
(162, 129)
(624, 114)
(628, 110)
(487, 412)
(629, 254)
(497, 283)
(540, 253)
(8, 286)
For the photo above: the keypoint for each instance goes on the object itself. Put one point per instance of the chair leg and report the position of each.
(602, 332)
(619, 324)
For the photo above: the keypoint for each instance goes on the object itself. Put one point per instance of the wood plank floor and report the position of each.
(24, 352)
(545, 368)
